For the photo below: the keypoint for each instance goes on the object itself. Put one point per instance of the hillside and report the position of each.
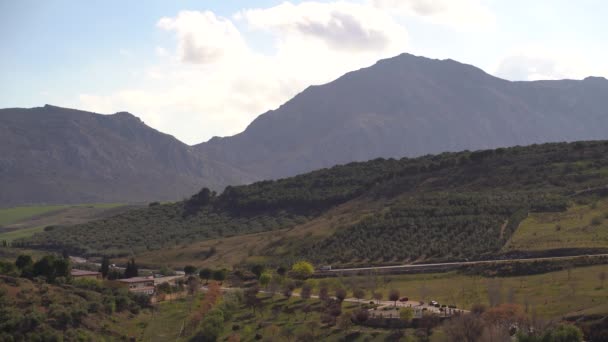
(410, 106)
(63, 156)
(447, 206)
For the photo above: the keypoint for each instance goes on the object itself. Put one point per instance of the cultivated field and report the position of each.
(581, 226)
(21, 222)
(548, 295)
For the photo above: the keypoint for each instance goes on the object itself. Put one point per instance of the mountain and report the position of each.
(57, 155)
(411, 106)
(449, 206)
(405, 106)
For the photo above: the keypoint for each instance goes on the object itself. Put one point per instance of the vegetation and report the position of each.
(39, 301)
(447, 206)
(16, 214)
(580, 226)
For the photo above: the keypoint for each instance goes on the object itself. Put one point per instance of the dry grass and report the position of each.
(581, 226)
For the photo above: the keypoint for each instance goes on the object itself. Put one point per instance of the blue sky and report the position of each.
(196, 69)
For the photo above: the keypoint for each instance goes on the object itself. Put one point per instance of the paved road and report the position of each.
(461, 263)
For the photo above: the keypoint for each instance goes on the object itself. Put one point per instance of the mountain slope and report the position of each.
(411, 106)
(57, 155)
(447, 206)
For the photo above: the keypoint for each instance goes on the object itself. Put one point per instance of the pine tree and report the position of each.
(131, 269)
(105, 266)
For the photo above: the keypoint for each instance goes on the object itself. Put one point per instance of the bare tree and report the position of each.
(377, 297)
(465, 328)
(359, 293)
(393, 296)
(306, 291)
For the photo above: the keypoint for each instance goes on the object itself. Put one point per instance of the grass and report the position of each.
(279, 315)
(581, 226)
(549, 295)
(16, 214)
(23, 222)
(161, 324)
(20, 233)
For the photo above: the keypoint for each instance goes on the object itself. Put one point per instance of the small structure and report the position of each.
(85, 274)
(171, 280)
(140, 285)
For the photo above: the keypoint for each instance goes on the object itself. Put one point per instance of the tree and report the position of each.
(212, 326)
(466, 328)
(219, 275)
(302, 269)
(193, 285)
(306, 309)
(306, 291)
(359, 293)
(281, 271)
(361, 315)
(251, 298)
(377, 296)
(340, 294)
(205, 273)
(393, 296)
(257, 269)
(23, 261)
(131, 270)
(265, 279)
(189, 269)
(288, 289)
(323, 293)
(564, 333)
(345, 322)
(105, 266)
(406, 314)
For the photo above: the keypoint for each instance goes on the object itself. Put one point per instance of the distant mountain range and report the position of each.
(58, 155)
(402, 106)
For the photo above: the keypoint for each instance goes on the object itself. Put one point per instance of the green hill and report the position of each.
(447, 206)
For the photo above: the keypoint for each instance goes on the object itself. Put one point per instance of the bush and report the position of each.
(596, 221)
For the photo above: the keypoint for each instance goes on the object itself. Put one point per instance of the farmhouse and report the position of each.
(140, 285)
(85, 274)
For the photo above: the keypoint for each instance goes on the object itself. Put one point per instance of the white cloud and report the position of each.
(203, 37)
(340, 25)
(459, 14)
(214, 83)
(530, 63)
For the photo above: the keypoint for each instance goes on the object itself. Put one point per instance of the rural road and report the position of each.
(461, 263)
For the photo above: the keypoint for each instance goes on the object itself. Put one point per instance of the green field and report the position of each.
(20, 233)
(581, 226)
(549, 295)
(23, 222)
(16, 214)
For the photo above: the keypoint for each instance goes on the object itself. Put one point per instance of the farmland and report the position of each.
(581, 226)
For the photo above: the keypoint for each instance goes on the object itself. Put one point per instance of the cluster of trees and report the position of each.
(435, 225)
(497, 184)
(53, 307)
(50, 268)
(502, 322)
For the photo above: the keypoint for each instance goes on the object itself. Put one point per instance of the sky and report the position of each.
(198, 69)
